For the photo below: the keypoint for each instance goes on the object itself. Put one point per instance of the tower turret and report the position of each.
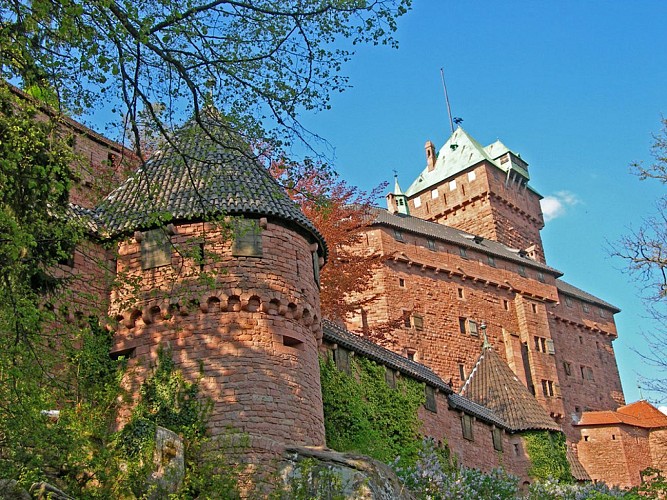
(482, 190)
(241, 314)
(397, 202)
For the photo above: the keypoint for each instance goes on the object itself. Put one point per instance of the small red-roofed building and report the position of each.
(617, 445)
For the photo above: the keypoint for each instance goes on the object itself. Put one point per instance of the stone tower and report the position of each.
(481, 190)
(219, 264)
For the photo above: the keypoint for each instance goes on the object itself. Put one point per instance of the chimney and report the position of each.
(392, 207)
(430, 155)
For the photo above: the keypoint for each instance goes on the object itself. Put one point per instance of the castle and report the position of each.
(501, 343)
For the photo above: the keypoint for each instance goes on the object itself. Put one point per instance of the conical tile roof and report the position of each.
(197, 178)
(493, 384)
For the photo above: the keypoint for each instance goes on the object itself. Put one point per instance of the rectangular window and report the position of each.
(463, 252)
(406, 319)
(411, 354)
(522, 270)
(452, 185)
(491, 260)
(342, 360)
(585, 307)
(316, 268)
(460, 293)
(430, 404)
(587, 373)
(497, 436)
(434, 194)
(430, 244)
(462, 325)
(472, 326)
(550, 347)
(540, 276)
(418, 202)
(418, 321)
(568, 301)
(472, 176)
(567, 367)
(466, 424)
(548, 388)
(247, 240)
(462, 372)
(390, 377)
(506, 305)
(602, 313)
(398, 235)
(155, 249)
(401, 282)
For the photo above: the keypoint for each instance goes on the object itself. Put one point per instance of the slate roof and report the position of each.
(639, 414)
(451, 235)
(460, 152)
(368, 349)
(568, 289)
(197, 178)
(83, 216)
(458, 402)
(493, 384)
(576, 467)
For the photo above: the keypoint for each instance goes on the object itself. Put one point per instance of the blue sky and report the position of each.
(576, 87)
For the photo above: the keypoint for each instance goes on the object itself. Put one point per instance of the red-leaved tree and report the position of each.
(340, 212)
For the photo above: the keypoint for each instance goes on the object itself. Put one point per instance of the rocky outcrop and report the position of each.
(322, 472)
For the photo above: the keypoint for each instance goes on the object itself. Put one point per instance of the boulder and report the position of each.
(324, 473)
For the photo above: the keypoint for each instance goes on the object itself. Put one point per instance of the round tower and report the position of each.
(230, 284)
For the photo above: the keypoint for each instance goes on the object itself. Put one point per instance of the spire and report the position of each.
(397, 189)
(486, 345)
(397, 202)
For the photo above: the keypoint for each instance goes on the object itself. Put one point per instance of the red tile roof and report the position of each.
(639, 414)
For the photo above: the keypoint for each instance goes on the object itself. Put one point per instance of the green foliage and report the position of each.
(548, 455)
(654, 485)
(363, 414)
(156, 59)
(311, 480)
(169, 401)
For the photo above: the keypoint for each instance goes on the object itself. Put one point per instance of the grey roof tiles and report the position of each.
(197, 178)
(364, 347)
(456, 236)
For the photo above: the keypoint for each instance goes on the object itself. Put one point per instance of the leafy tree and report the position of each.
(260, 63)
(645, 254)
(340, 212)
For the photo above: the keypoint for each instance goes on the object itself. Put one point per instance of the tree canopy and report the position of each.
(260, 63)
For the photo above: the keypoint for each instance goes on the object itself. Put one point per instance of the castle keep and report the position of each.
(501, 343)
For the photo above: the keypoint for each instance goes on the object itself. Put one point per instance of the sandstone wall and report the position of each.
(249, 333)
